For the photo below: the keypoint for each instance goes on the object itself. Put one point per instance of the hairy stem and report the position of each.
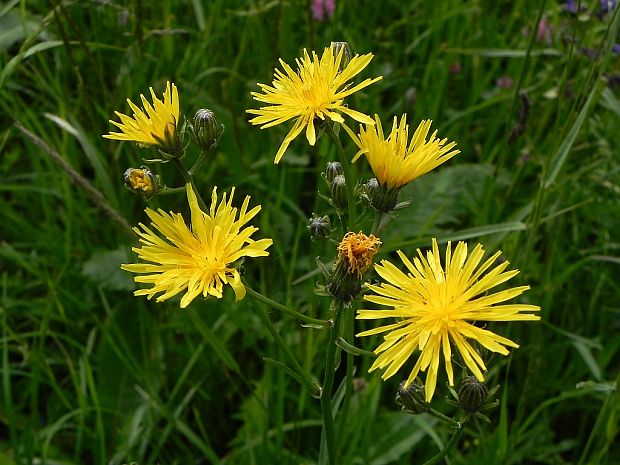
(328, 385)
(447, 448)
(289, 311)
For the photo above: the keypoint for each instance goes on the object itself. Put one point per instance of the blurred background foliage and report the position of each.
(90, 374)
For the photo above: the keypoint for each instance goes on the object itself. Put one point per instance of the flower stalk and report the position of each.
(447, 448)
(189, 179)
(288, 311)
(311, 386)
(346, 166)
(328, 385)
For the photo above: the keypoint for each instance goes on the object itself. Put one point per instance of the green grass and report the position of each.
(92, 375)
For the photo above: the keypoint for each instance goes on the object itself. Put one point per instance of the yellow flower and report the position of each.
(142, 181)
(316, 90)
(395, 163)
(155, 126)
(355, 254)
(198, 259)
(437, 307)
(356, 250)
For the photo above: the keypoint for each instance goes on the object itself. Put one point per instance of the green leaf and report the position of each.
(211, 339)
(95, 157)
(103, 269)
(400, 433)
(561, 154)
(461, 235)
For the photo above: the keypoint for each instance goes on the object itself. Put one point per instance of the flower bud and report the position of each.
(346, 53)
(381, 198)
(342, 285)
(339, 192)
(206, 130)
(472, 394)
(371, 187)
(319, 227)
(411, 398)
(142, 181)
(332, 169)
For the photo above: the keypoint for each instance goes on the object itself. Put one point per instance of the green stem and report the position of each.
(346, 166)
(381, 221)
(289, 311)
(328, 384)
(198, 163)
(376, 223)
(313, 388)
(187, 177)
(449, 445)
(446, 419)
(353, 350)
(349, 334)
(170, 190)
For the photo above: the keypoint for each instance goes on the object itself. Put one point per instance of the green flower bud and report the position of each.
(411, 398)
(206, 129)
(346, 53)
(472, 394)
(319, 227)
(343, 285)
(339, 192)
(380, 196)
(332, 169)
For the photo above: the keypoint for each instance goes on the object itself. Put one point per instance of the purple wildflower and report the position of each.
(570, 6)
(607, 6)
(545, 32)
(323, 9)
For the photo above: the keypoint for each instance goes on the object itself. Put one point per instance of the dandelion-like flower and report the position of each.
(438, 307)
(356, 250)
(316, 90)
(198, 259)
(355, 254)
(156, 125)
(395, 163)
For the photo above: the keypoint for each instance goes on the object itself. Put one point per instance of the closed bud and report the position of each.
(319, 227)
(346, 53)
(380, 197)
(339, 192)
(371, 187)
(332, 169)
(206, 129)
(472, 394)
(411, 398)
(142, 181)
(343, 285)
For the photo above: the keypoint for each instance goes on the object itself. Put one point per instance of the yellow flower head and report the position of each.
(395, 163)
(156, 125)
(436, 307)
(141, 180)
(316, 90)
(198, 260)
(357, 251)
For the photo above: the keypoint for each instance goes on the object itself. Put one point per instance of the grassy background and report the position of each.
(90, 374)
